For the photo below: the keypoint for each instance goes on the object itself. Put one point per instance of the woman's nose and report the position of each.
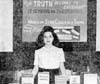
(47, 38)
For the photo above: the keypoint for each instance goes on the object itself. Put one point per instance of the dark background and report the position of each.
(78, 55)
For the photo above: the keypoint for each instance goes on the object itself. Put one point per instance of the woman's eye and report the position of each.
(45, 37)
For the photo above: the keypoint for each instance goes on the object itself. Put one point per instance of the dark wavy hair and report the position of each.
(40, 41)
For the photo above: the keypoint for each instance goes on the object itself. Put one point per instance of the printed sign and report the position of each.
(90, 79)
(27, 80)
(75, 79)
(60, 79)
(43, 78)
(67, 17)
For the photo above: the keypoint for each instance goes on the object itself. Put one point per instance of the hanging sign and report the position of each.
(67, 17)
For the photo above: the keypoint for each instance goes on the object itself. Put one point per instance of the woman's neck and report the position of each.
(48, 46)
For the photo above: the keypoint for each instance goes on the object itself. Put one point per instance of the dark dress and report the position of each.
(52, 73)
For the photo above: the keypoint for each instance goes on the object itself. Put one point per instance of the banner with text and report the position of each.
(67, 17)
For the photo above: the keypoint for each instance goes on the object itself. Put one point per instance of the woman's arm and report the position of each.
(35, 71)
(62, 68)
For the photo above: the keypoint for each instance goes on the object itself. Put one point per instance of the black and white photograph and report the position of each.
(49, 42)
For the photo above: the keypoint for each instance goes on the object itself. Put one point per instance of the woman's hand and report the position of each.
(35, 71)
(62, 68)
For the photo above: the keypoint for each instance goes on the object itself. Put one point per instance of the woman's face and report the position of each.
(48, 38)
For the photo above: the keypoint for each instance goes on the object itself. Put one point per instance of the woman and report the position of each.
(48, 57)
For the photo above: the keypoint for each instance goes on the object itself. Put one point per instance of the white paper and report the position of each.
(90, 78)
(6, 25)
(98, 27)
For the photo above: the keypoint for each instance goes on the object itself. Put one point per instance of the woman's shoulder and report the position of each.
(39, 50)
(57, 48)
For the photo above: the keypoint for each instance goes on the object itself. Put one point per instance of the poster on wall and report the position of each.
(67, 17)
(98, 27)
(6, 25)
